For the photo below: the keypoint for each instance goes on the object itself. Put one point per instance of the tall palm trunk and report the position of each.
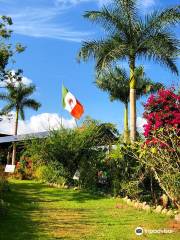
(126, 128)
(132, 101)
(15, 133)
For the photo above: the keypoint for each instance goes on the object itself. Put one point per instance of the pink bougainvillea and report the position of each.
(162, 110)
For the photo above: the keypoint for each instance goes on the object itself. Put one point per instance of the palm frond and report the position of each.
(130, 36)
(4, 96)
(8, 108)
(31, 103)
(109, 19)
(160, 19)
(17, 96)
(22, 115)
(146, 86)
(27, 90)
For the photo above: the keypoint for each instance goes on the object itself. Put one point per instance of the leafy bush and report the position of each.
(49, 173)
(164, 160)
(161, 147)
(4, 187)
(73, 149)
(24, 169)
(126, 173)
(3, 181)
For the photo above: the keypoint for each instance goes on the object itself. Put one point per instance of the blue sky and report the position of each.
(53, 31)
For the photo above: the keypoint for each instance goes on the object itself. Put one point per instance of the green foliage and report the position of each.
(3, 184)
(131, 188)
(7, 50)
(116, 82)
(24, 169)
(126, 173)
(17, 96)
(4, 188)
(130, 36)
(73, 149)
(162, 158)
(50, 173)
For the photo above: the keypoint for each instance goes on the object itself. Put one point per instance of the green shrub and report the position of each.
(161, 157)
(68, 150)
(4, 186)
(48, 173)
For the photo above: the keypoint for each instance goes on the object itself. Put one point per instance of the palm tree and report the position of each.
(129, 37)
(17, 97)
(116, 82)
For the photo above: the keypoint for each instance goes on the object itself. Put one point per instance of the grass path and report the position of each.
(43, 213)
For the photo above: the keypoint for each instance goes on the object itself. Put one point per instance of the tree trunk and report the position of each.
(15, 133)
(126, 129)
(165, 190)
(132, 101)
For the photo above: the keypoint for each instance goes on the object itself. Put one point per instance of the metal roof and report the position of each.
(23, 137)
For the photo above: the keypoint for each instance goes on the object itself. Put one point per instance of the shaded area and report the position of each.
(17, 223)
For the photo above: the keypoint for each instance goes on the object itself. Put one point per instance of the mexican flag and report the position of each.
(71, 104)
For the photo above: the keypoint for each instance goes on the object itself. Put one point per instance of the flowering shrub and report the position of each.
(24, 168)
(160, 152)
(162, 110)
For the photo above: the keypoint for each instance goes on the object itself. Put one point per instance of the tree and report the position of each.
(6, 49)
(17, 97)
(116, 82)
(129, 36)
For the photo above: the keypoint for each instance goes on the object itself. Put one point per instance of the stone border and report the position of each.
(143, 206)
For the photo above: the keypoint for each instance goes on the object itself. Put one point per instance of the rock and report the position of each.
(158, 209)
(144, 203)
(66, 187)
(169, 213)
(136, 204)
(140, 205)
(164, 200)
(128, 201)
(75, 188)
(177, 218)
(125, 198)
(164, 211)
(147, 208)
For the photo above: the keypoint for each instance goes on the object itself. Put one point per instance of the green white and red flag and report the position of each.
(71, 104)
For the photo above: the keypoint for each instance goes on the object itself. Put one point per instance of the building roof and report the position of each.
(23, 137)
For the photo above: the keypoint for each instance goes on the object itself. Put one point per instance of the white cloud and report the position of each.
(38, 123)
(140, 122)
(25, 80)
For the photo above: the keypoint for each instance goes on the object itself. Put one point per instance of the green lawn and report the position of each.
(37, 211)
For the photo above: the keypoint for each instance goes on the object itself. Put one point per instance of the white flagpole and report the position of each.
(61, 106)
(76, 122)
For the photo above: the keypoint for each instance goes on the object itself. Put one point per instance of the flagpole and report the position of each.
(61, 122)
(62, 84)
(76, 122)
